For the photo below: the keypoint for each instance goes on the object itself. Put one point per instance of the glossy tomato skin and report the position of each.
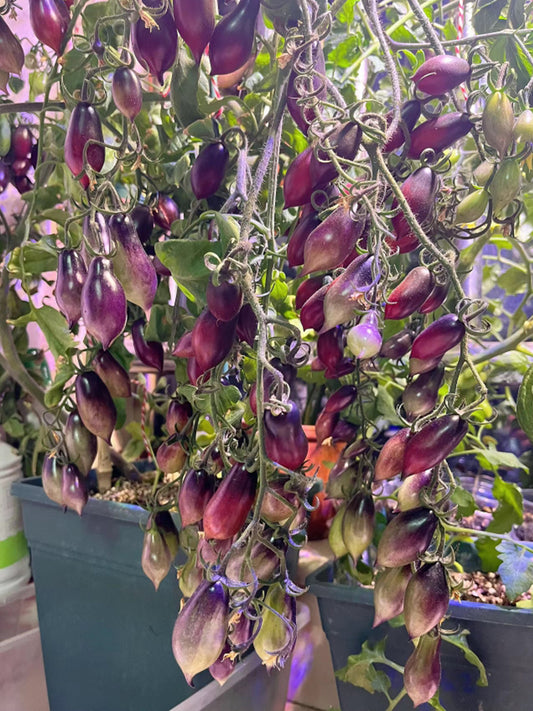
(84, 127)
(195, 22)
(433, 443)
(156, 47)
(95, 405)
(49, 20)
(440, 74)
(285, 440)
(209, 169)
(439, 133)
(233, 38)
(231, 503)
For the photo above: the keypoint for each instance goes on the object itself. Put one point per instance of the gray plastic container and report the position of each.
(106, 633)
(501, 637)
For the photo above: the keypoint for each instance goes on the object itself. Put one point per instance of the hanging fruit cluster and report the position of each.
(253, 237)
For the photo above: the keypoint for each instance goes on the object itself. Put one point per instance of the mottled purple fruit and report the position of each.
(224, 666)
(312, 313)
(127, 92)
(420, 396)
(166, 212)
(195, 23)
(144, 222)
(132, 265)
(285, 440)
(410, 113)
(195, 491)
(75, 490)
(264, 562)
(156, 47)
(422, 672)
(224, 301)
(433, 443)
(80, 442)
(389, 593)
(178, 416)
(228, 508)
(348, 289)
(103, 302)
(390, 460)
(298, 239)
(52, 476)
(200, 630)
(71, 276)
(441, 335)
(410, 293)
(170, 457)
(148, 352)
(439, 133)
(156, 558)
(247, 325)
(406, 537)
(209, 169)
(95, 405)
(212, 340)
(332, 241)
(410, 488)
(11, 52)
(297, 185)
(84, 142)
(398, 345)
(49, 20)
(441, 73)
(426, 599)
(114, 376)
(233, 38)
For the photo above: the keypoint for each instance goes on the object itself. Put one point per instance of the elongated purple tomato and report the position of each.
(11, 52)
(71, 276)
(115, 378)
(209, 169)
(103, 302)
(433, 443)
(156, 47)
(299, 88)
(233, 38)
(132, 265)
(441, 73)
(95, 405)
(439, 133)
(148, 352)
(49, 20)
(84, 129)
(331, 241)
(195, 22)
(127, 92)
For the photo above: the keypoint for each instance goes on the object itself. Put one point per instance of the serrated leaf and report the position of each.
(516, 569)
(524, 411)
(513, 280)
(465, 502)
(360, 670)
(459, 640)
(510, 506)
(345, 53)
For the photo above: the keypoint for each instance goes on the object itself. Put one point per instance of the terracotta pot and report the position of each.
(324, 457)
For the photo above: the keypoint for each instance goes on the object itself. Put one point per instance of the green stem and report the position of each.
(396, 700)
(461, 530)
(509, 344)
(31, 107)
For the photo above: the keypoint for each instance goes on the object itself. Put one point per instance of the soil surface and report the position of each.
(125, 491)
(484, 587)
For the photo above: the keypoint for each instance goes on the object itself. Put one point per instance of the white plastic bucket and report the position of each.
(14, 556)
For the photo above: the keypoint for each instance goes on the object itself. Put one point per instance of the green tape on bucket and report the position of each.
(12, 549)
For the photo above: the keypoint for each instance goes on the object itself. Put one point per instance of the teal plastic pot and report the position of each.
(501, 637)
(105, 632)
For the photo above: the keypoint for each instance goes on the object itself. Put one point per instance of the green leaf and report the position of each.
(486, 549)
(459, 640)
(513, 280)
(345, 53)
(360, 670)
(516, 13)
(494, 459)
(55, 392)
(55, 330)
(160, 324)
(465, 502)
(516, 570)
(524, 410)
(187, 83)
(487, 14)
(185, 259)
(520, 63)
(386, 407)
(120, 406)
(346, 13)
(510, 507)
(14, 427)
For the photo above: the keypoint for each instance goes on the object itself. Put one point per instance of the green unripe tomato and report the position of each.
(505, 185)
(471, 207)
(523, 129)
(498, 122)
